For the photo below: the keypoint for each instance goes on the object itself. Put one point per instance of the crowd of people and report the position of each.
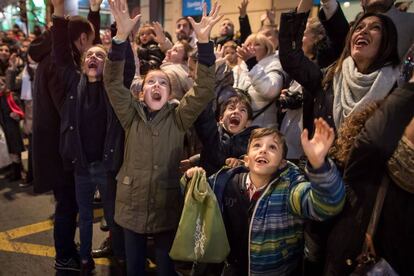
(298, 126)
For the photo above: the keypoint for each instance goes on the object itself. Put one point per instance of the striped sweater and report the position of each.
(276, 225)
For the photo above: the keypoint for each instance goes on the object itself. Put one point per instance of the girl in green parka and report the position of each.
(149, 200)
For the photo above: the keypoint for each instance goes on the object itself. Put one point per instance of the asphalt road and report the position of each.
(26, 233)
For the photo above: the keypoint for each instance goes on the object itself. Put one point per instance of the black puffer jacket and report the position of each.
(150, 57)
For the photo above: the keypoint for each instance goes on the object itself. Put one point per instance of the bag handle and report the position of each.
(368, 246)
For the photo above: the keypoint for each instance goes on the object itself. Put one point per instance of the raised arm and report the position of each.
(195, 100)
(119, 96)
(95, 18)
(245, 29)
(336, 27)
(292, 57)
(67, 73)
(324, 196)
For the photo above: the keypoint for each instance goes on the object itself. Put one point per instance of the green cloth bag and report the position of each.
(201, 235)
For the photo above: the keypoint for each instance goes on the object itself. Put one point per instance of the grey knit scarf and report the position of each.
(353, 90)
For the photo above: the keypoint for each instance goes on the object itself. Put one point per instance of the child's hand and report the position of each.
(233, 162)
(218, 52)
(185, 165)
(189, 173)
(317, 148)
(15, 116)
(203, 29)
(124, 22)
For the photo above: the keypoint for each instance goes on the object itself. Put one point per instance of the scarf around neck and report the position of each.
(354, 90)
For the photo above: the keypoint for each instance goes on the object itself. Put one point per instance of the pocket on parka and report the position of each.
(124, 188)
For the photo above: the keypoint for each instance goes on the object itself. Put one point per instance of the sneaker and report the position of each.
(70, 264)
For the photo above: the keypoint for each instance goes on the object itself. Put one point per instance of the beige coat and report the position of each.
(149, 198)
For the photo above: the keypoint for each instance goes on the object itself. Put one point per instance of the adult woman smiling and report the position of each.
(263, 78)
(365, 72)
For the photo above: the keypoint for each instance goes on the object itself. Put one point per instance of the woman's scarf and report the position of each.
(353, 90)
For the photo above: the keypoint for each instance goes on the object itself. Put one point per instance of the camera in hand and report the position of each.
(290, 100)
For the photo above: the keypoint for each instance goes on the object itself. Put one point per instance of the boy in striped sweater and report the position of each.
(266, 203)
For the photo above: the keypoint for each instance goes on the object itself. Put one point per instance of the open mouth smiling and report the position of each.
(261, 160)
(156, 96)
(360, 42)
(235, 121)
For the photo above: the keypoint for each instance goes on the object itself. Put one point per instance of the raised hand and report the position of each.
(203, 29)
(317, 148)
(159, 33)
(219, 52)
(245, 52)
(304, 6)
(95, 5)
(58, 7)
(124, 22)
(243, 8)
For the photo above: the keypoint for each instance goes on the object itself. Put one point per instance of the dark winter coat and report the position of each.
(47, 102)
(10, 126)
(75, 84)
(366, 167)
(48, 98)
(317, 101)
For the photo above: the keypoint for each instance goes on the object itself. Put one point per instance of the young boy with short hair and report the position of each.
(224, 142)
(265, 205)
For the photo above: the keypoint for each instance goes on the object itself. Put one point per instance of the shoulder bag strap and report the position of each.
(368, 247)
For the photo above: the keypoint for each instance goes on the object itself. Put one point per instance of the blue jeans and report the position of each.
(86, 182)
(136, 249)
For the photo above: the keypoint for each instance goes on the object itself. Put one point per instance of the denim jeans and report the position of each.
(86, 181)
(136, 249)
(66, 210)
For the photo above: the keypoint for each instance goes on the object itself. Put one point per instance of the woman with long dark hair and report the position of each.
(365, 72)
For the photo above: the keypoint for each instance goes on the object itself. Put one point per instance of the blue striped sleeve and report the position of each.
(321, 198)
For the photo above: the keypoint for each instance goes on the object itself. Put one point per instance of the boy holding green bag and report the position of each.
(265, 205)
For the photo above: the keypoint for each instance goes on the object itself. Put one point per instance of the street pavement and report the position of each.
(26, 233)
